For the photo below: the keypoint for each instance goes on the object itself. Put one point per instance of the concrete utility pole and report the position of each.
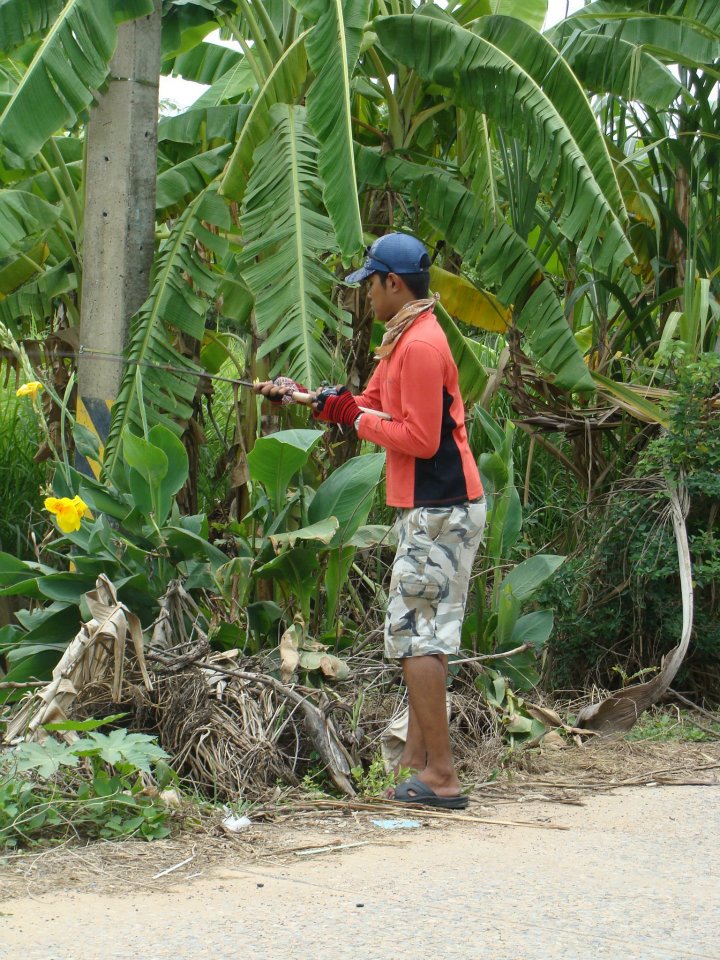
(121, 164)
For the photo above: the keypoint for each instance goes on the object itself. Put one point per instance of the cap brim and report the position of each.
(359, 275)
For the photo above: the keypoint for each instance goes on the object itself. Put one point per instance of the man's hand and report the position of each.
(336, 405)
(279, 390)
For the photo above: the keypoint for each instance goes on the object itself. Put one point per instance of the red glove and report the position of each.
(336, 405)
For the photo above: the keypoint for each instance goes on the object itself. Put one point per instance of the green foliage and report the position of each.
(20, 474)
(375, 781)
(287, 239)
(618, 598)
(94, 786)
(71, 61)
(689, 451)
(666, 724)
(310, 529)
(136, 538)
(518, 726)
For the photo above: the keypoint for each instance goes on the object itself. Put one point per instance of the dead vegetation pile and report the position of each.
(234, 731)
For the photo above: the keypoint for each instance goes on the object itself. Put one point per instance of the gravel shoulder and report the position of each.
(636, 875)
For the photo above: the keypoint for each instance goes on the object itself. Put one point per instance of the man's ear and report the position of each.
(395, 281)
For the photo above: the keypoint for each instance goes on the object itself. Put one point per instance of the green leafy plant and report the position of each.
(134, 535)
(375, 780)
(95, 786)
(518, 725)
(300, 536)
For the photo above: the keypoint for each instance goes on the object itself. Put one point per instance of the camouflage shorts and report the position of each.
(430, 578)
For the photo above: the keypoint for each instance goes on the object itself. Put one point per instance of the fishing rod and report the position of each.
(297, 396)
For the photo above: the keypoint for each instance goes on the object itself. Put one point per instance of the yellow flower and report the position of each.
(30, 389)
(68, 513)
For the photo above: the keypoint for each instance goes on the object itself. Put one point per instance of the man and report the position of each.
(432, 478)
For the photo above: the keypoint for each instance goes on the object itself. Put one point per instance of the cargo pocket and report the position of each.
(412, 586)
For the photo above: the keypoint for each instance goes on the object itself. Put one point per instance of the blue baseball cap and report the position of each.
(394, 253)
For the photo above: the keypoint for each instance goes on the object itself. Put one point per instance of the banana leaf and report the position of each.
(514, 75)
(287, 234)
(333, 47)
(284, 85)
(71, 63)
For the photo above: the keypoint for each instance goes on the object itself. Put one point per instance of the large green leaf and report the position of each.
(69, 65)
(515, 76)
(209, 124)
(499, 255)
(287, 234)
(183, 290)
(274, 459)
(333, 48)
(22, 268)
(613, 65)
(189, 178)
(472, 376)
(36, 297)
(532, 12)
(673, 30)
(534, 628)
(524, 579)
(22, 19)
(347, 494)
(205, 62)
(284, 85)
(22, 217)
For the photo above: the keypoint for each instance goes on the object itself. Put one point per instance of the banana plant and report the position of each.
(476, 128)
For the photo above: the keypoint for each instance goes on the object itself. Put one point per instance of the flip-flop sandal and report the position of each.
(423, 795)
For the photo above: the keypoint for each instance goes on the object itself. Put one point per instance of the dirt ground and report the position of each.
(608, 850)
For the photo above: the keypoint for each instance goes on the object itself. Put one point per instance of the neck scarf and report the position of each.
(396, 327)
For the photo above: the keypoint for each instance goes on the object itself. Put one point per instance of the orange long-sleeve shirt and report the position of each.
(429, 461)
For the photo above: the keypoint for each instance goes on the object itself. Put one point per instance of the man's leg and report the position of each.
(414, 755)
(426, 679)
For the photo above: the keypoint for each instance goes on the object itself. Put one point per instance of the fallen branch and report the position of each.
(483, 658)
(395, 806)
(674, 695)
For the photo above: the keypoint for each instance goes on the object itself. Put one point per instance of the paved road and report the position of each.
(636, 877)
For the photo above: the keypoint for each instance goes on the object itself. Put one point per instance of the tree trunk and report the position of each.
(120, 175)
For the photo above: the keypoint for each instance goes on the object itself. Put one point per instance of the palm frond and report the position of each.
(34, 299)
(206, 62)
(675, 31)
(69, 65)
(333, 48)
(183, 289)
(189, 178)
(515, 76)
(472, 376)
(21, 20)
(210, 124)
(286, 234)
(23, 217)
(502, 259)
(610, 64)
(284, 85)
